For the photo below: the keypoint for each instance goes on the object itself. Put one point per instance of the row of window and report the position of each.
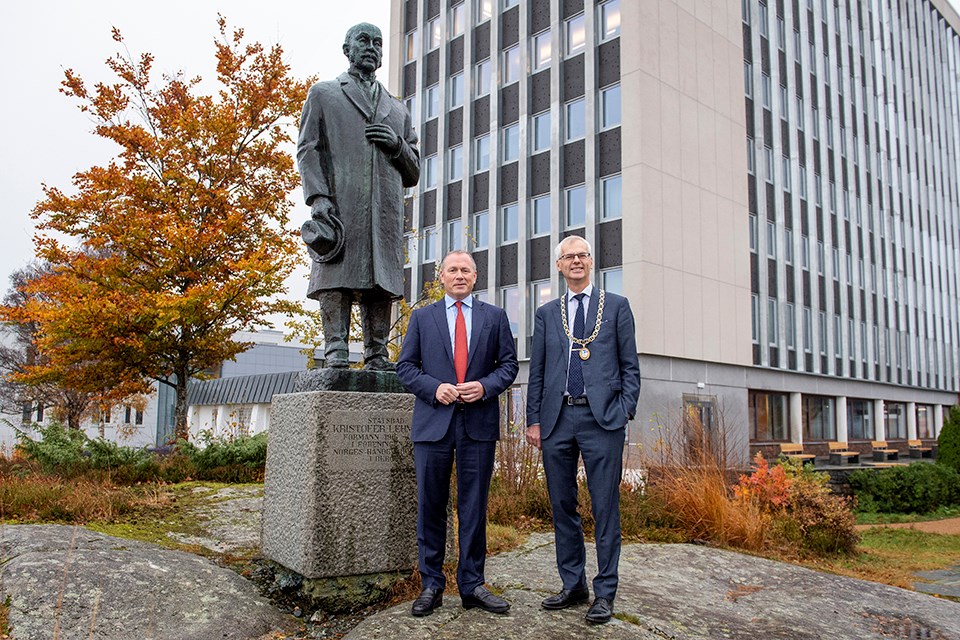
(541, 292)
(541, 54)
(539, 217)
(36, 414)
(769, 415)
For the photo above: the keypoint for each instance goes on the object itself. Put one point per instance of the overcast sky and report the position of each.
(44, 136)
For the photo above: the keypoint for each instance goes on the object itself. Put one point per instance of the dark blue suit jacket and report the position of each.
(611, 375)
(426, 360)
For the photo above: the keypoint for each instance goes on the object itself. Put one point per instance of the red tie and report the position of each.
(460, 345)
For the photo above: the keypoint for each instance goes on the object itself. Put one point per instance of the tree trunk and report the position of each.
(180, 413)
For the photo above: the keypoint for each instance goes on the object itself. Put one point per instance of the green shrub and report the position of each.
(948, 443)
(57, 450)
(69, 452)
(237, 460)
(917, 488)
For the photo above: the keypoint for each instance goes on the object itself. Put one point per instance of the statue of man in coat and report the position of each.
(357, 152)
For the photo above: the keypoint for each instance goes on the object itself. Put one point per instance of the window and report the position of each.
(480, 233)
(785, 162)
(540, 218)
(748, 79)
(484, 10)
(481, 153)
(773, 332)
(126, 414)
(575, 35)
(456, 91)
(411, 104)
(542, 50)
(455, 163)
(430, 172)
(788, 245)
(860, 419)
(541, 131)
(457, 19)
(432, 102)
(511, 65)
(924, 421)
(755, 317)
(752, 223)
(540, 294)
(769, 416)
(510, 3)
(411, 247)
(611, 202)
(454, 235)
(817, 419)
(823, 333)
(575, 120)
(612, 280)
(482, 76)
(609, 19)
(510, 302)
(509, 219)
(511, 143)
(790, 323)
(751, 157)
(610, 107)
(771, 240)
(807, 330)
(433, 34)
(411, 42)
(766, 88)
(768, 160)
(837, 337)
(138, 417)
(895, 419)
(763, 21)
(575, 201)
(428, 245)
(805, 252)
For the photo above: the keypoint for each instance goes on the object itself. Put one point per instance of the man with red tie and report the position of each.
(458, 356)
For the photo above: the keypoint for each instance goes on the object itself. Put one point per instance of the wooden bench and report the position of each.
(840, 454)
(793, 451)
(917, 450)
(882, 452)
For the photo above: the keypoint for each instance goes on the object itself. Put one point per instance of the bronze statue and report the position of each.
(357, 152)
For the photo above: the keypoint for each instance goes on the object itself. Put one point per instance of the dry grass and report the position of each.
(689, 482)
(893, 556)
(27, 495)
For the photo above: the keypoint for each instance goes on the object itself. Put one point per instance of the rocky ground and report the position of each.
(68, 582)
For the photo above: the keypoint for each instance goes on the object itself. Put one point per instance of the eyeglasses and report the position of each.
(568, 257)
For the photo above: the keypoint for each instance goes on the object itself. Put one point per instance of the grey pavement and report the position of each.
(682, 592)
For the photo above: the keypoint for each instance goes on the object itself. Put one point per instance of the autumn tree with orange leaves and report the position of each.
(163, 254)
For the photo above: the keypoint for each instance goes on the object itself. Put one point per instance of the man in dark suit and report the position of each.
(457, 357)
(583, 388)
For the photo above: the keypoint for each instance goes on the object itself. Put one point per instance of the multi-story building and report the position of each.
(772, 184)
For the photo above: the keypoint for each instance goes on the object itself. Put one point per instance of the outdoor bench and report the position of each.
(917, 450)
(882, 452)
(794, 451)
(840, 454)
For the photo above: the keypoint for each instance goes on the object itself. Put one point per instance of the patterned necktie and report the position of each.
(575, 370)
(460, 344)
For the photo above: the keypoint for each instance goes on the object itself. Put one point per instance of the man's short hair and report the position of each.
(352, 31)
(458, 252)
(559, 250)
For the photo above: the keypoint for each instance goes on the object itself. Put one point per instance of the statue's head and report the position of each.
(363, 46)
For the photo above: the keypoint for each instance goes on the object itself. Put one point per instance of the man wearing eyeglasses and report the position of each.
(583, 388)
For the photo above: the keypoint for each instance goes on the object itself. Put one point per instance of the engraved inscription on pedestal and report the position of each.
(365, 440)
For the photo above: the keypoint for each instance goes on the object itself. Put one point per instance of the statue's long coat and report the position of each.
(366, 184)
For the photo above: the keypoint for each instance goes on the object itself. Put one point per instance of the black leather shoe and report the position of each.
(481, 598)
(566, 598)
(600, 611)
(426, 602)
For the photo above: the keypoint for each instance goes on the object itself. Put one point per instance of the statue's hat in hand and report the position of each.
(323, 237)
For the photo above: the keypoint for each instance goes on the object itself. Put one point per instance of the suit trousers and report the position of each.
(434, 463)
(577, 434)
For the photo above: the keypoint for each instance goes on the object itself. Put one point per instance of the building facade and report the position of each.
(771, 184)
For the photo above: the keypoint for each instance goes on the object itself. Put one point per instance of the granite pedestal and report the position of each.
(340, 495)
